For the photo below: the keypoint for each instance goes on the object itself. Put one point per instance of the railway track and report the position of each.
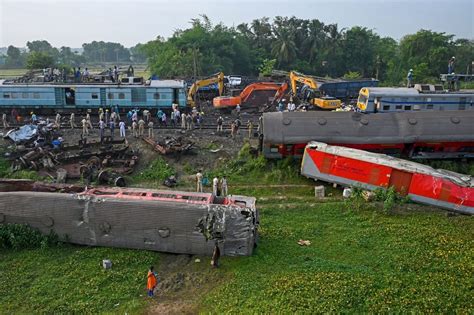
(209, 120)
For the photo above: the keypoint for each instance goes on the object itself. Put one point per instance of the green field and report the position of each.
(362, 258)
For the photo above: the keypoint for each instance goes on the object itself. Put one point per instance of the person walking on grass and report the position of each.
(151, 282)
(216, 254)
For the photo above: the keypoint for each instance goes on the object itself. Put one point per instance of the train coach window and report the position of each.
(462, 106)
(399, 107)
(429, 106)
(6, 95)
(386, 107)
(36, 95)
(110, 96)
(94, 96)
(156, 96)
(407, 107)
(14, 95)
(24, 95)
(121, 96)
(416, 107)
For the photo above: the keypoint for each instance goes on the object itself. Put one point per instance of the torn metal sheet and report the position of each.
(159, 220)
(24, 133)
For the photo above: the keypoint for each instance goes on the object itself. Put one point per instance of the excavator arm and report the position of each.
(321, 102)
(216, 78)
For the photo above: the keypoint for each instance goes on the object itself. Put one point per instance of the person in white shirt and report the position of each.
(122, 129)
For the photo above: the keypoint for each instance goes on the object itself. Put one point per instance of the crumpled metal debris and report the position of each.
(170, 145)
(24, 133)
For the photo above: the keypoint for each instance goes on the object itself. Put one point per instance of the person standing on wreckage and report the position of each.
(199, 177)
(215, 184)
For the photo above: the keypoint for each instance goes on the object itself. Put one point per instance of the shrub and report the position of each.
(158, 170)
(19, 236)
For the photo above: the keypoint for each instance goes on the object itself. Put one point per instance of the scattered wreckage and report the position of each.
(421, 183)
(160, 220)
(170, 145)
(41, 148)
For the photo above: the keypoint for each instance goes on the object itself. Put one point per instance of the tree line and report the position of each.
(308, 46)
(285, 43)
(41, 54)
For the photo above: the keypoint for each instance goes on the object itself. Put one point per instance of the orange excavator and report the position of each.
(251, 95)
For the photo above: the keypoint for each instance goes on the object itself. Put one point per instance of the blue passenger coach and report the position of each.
(419, 98)
(155, 94)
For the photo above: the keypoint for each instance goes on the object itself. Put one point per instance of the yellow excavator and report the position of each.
(313, 97)
(216, 78)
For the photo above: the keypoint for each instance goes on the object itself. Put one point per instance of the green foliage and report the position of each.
(70, 279)
(389, 197)
(20, 236)
(267, 67)
(358, 262)
(39, 60)
(100, 51)
(157, 171)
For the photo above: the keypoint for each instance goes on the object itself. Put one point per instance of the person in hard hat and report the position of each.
(410, 78)
(151, 281)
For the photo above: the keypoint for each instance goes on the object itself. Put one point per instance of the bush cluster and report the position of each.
(20, 236)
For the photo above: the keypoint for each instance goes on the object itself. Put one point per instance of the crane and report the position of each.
(215, 78)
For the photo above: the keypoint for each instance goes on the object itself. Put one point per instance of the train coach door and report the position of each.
(103, 100)
(401, 181)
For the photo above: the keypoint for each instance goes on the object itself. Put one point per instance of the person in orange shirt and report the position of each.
(151, 282)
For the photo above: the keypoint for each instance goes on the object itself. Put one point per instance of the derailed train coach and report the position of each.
(423, 134)
(158, 220)
(371, 171)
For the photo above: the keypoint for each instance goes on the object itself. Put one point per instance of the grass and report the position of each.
(364, 261)
(70, 279)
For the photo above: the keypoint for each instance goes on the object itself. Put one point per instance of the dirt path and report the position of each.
(181, 284)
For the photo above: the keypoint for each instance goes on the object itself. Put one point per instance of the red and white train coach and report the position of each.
(357, 168)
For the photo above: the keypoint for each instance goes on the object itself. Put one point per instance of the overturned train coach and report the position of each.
(357, 168)
(166, 221)
(423, 135)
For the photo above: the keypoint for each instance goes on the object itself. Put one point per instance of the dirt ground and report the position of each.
(210, 147)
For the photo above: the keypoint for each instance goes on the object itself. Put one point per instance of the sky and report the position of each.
(74, 22)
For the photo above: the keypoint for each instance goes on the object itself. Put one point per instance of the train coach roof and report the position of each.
(167, 83)
(390, 161)
(351, 127)
(387, 91)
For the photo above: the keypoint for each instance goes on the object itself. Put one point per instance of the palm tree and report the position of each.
(284, 47)
(315, 41)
